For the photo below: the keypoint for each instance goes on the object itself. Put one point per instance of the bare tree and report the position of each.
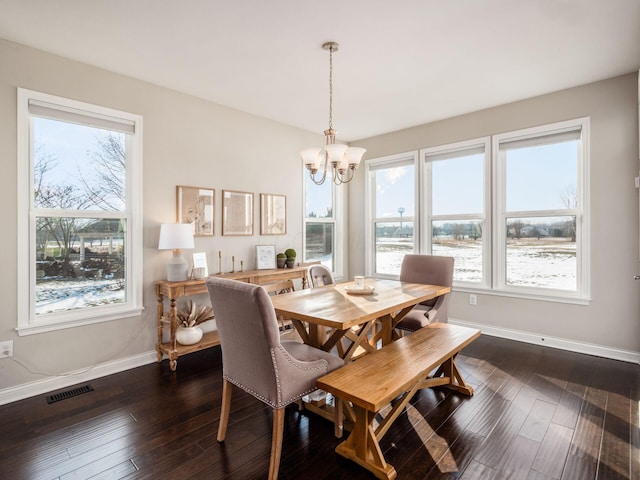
(569, 199)
(107, 189)
(458, 231)
(517, 227)
(57, 196)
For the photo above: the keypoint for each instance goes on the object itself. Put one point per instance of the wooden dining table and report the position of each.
(352, 315)
(353, 322)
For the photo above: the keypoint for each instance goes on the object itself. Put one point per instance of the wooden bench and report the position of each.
(397, 371)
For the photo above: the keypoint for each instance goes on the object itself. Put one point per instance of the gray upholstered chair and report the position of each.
(320, 275)
(256, 360)
(431, 270)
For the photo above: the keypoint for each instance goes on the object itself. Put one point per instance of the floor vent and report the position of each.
(74, 392)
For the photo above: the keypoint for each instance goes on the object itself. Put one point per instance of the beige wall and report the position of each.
(612, 319)
(187, 141)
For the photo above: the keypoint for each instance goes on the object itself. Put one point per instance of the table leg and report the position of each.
(388, 324)
(159, 316)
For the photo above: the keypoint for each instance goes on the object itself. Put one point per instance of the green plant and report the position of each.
(290, 253)
(281, 255)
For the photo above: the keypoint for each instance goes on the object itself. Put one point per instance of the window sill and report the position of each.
(525, 295)
(43, 327)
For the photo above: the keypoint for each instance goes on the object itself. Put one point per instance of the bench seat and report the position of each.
(397, 371)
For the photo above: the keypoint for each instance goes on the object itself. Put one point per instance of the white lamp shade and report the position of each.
(335, 153)
(354, 155)
(175, 236)
(310, 157)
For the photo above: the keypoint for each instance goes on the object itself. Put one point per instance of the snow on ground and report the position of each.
(57, 295)
(548, 264)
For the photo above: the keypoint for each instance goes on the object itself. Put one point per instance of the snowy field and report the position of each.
(530, 263)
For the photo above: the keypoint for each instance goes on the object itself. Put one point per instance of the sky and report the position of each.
(70, 147)
(537, 178)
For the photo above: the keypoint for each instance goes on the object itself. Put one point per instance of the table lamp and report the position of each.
(176, 236)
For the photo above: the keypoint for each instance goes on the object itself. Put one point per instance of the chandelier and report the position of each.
(341, 159)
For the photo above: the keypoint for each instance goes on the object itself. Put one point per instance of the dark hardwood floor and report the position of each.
(537, 414)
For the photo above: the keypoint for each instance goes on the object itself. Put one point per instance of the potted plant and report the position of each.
(290, 253)
(188, 331)
(281, 258)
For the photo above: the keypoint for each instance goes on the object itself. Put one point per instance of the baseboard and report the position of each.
(20, 392)
(39, 387)
(553, 342)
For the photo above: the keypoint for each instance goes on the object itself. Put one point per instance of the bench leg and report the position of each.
(449, 376)
(363, 448)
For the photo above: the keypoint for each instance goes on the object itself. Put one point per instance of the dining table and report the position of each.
(353, 321)
(362, 318)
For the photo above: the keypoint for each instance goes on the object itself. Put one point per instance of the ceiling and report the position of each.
(400, 63)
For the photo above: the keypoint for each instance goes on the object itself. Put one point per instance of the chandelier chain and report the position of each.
(330, 87)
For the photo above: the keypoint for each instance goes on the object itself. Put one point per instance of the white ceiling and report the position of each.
(401, 63)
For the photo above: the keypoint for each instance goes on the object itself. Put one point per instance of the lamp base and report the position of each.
(177, 268)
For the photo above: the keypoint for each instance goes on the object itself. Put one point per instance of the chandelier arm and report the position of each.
(324, 175)
(346, 176)
(334, 176)
(318, 182)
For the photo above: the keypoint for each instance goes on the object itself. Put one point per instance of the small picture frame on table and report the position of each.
(200, 263)
(265, 257)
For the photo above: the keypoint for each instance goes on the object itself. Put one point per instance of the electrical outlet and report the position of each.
(6, 349)
(473, 299)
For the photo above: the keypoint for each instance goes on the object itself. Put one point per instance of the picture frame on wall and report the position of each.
(237, 213)
(273, 214)
(265, 257)
(196, 205)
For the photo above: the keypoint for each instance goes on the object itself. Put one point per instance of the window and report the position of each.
(391, 188)
(456, 200)
(320, 223)
(80, 232)
(541, 221)
(516, 225)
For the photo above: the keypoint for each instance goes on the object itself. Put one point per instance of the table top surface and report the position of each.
(333, 307)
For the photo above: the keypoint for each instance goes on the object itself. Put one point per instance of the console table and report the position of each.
(175, 290)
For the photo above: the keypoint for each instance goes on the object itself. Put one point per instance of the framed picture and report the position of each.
(196, 205)
(265, 256)
(200, 261)
(237, 213)
(273, 214)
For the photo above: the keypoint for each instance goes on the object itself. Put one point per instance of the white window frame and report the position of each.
(582, 293)
(337, 199)
(28, 323)
(372, 165)
(427, 157)
(494, 253)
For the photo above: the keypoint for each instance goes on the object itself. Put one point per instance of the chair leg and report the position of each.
(276, 442)
(224, 410)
